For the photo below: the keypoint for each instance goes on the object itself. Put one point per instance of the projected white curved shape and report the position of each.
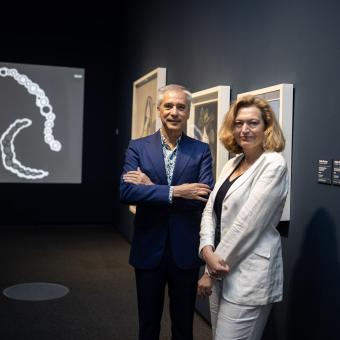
(46, 110)
(9, 159)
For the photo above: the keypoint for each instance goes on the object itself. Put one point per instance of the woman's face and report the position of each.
(249, 129)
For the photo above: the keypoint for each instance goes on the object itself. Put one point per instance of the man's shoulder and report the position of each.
(142, 140)
(196, 142)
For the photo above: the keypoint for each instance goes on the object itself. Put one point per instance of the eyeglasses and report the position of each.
(251, 124)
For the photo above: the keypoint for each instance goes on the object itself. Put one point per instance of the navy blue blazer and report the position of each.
(156, 218)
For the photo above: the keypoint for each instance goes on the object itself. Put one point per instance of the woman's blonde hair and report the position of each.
(273, 136)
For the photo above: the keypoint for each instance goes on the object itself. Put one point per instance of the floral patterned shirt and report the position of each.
(169, 161)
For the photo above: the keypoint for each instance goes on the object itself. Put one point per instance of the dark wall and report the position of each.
(76, 41)
(250, 45)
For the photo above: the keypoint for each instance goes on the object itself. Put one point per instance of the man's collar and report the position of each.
(164, 140)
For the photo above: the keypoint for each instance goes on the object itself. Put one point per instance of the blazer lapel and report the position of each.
(183, 156)
(244, 177)
(155, 154)
(226, 173)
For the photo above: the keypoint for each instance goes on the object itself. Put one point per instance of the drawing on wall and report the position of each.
(145, 120)
(144, 108)
(8, 154)
(280, 98)
(28, 92)
(149, 117)
(205, 127)
(206, 116)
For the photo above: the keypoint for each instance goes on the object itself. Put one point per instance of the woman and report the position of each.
(239, 241)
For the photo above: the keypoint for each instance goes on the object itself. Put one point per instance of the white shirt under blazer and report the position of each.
(250, 243)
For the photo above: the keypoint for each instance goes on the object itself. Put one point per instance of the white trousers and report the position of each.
(236, 322)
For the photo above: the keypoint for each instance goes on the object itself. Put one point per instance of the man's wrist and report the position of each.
(171, 193)
(175, 191)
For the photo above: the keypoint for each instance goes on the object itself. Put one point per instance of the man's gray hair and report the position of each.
(176, 88)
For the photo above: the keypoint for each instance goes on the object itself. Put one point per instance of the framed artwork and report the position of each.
(280, 98)
(206, 116)
(144, 107)
(145, 120)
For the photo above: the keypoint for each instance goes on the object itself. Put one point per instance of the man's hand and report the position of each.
(137, 177)
(204, 285)
(193, 191)
(216, 265)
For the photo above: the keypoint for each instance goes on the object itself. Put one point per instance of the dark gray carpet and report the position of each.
(92, 263)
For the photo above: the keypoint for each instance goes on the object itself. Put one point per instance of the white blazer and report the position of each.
(250, 243)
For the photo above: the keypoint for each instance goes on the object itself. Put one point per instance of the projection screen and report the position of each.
(41, 123)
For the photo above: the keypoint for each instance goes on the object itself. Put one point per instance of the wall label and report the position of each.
(336, 172)
(325, 171)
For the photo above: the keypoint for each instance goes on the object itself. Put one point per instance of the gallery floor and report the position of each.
(92, 263)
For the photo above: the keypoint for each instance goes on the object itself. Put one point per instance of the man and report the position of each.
(168, 175)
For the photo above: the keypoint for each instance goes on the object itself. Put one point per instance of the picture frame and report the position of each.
(145, 120)
(144, 107)
(208, 109)
(280, 98)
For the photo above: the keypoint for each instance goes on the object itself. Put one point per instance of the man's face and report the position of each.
(174, 111)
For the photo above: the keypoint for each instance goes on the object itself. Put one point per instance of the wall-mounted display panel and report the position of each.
(280, 98)
(41, 123)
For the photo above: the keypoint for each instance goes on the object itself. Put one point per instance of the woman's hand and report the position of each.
(204, 285)
(216, 265)
(137, 177)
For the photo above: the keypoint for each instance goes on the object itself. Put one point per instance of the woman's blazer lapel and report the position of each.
(229, 168)
(225, 173)
(248, 173)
